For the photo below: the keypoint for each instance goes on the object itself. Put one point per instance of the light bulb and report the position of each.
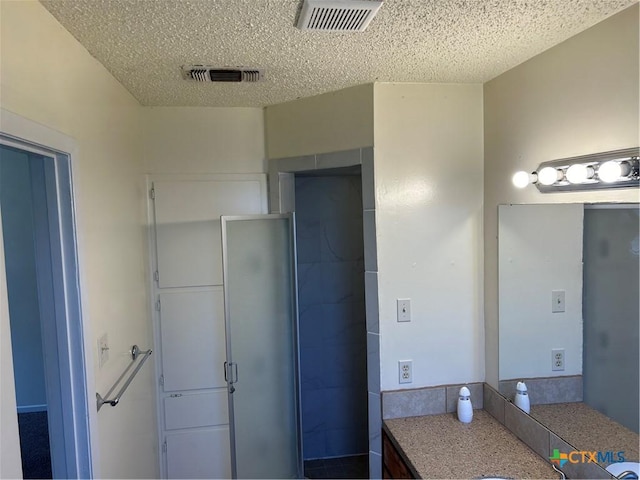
(610, 171)
(614, 170)
(548, 176)
(579, 173)
(520, 179)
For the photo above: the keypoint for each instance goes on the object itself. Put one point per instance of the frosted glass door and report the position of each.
(262, 359)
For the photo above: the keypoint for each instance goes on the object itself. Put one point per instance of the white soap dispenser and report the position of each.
(522, 397)
(465, 409)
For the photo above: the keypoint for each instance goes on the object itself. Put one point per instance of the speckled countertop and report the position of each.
(587, 429)
(439, 446)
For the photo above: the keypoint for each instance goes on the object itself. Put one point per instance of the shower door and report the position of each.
(261, 333)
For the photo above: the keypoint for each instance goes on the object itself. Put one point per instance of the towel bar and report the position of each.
(135, 353)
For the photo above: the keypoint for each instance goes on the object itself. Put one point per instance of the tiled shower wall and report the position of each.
(333, 337)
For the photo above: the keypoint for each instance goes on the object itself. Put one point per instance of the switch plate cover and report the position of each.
(557, 301)
(404, 310)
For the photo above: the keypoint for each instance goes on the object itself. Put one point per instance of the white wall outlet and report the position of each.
(557, 359)
(405, 371)
(103, 350)
(557, 301)
(404, 309)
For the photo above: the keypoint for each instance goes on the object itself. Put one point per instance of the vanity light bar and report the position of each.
(616, 169)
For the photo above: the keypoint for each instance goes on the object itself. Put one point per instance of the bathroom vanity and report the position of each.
(439, 446)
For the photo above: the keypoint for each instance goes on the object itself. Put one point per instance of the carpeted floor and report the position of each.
(34, 443)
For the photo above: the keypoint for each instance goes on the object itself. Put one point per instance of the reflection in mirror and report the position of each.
(568, 280)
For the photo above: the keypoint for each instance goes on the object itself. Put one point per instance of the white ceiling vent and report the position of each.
(337, 16)
(205, 73)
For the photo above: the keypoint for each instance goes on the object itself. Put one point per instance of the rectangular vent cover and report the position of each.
(204, 73)
(337, 16)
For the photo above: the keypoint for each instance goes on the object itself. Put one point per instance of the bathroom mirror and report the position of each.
(568, 282)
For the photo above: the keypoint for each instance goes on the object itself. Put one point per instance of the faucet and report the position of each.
(628, 475)
(562, 475)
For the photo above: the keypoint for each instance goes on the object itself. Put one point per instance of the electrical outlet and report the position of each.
(405, 371)
(557, 359)
(103, 350)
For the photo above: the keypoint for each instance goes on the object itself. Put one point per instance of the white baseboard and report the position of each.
(32, 408)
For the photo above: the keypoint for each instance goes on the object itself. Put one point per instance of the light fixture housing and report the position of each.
(621, 170)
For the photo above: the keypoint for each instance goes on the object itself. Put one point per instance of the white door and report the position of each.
(189, 320)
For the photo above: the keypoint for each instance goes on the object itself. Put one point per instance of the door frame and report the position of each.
(64, 342)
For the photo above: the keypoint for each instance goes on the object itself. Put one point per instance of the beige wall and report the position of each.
(428, 196)
(203, 140)
(577, 98)
(333, 121)
(50, 79)
(428, 175)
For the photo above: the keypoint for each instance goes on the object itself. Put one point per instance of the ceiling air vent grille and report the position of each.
(203, 73)
(337, 16)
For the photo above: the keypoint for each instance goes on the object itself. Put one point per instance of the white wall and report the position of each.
(333, 121)
(49, 78)
(428, 175)
(540, 250)
(577, 98)
(203, 140)
(26, 336)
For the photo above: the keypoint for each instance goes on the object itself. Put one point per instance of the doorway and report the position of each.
(332, 319)
(282, 199)
(45, 323)
(22, 288)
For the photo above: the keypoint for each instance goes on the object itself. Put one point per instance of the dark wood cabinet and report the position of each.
(393, 466)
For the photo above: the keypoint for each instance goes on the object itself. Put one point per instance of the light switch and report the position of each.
(404, 310)
(557, 301)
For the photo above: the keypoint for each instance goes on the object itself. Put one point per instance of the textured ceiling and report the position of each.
(143, 43)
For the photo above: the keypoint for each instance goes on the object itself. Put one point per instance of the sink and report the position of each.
(616, 469)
